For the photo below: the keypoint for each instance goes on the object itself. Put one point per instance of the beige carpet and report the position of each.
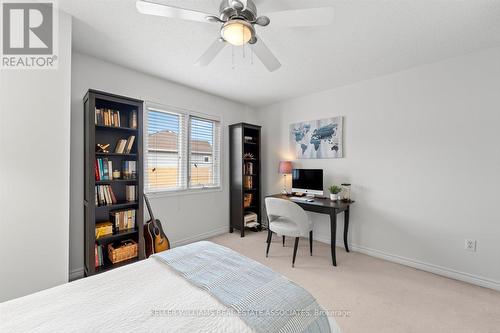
(380, 296)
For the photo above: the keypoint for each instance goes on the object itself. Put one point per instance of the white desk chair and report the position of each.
(286, 218)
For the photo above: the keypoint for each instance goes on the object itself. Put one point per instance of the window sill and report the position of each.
(175, 193)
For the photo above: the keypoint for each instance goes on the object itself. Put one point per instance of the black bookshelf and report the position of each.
(239, 174)
(99, 134)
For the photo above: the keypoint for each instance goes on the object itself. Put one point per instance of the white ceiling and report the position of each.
(367, 39)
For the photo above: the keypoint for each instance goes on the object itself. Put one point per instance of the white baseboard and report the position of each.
(439, 270)
(79, 272)
(199, 237)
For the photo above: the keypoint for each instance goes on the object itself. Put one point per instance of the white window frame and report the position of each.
(185, 165)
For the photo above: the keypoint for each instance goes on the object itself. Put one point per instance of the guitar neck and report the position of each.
(150, 211)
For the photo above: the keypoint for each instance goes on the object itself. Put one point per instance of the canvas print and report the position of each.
(317, 139)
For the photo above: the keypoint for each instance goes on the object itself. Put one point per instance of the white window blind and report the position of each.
(183, 151)
(204, 153)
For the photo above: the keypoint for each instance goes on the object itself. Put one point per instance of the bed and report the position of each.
(171, 292)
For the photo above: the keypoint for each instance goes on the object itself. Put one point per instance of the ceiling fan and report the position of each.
(238, 19)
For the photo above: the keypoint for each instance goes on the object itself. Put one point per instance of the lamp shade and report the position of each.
(285, 167)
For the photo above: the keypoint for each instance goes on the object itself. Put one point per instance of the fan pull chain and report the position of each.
(232, 56)
(251, 55)
(243, 39)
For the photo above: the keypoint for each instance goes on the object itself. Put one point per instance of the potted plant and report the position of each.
(334, 192)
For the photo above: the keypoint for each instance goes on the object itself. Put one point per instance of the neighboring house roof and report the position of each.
(167, 141)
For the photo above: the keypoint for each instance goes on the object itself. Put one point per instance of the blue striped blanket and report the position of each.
(265, 300)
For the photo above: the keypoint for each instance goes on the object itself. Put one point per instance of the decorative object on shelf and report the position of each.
(249, 156)
(346, 192)
(247, 200)
(102, 148)
(122, 251)
(247, 182)
(117, 174)
(248, 169)
(248, 139)
(317, 139)
(334, 192)
(284, 169)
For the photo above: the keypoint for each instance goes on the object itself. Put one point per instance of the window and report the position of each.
(183, 151)
(203, 153)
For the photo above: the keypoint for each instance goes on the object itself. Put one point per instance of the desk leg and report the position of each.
(333, 229)
(346, 228)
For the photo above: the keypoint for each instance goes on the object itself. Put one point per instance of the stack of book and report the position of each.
(103, 169)
(129, 169)
(104, 195)
(250, 220)
(103, 229)
(130, 193)
(107, 117)
(99, 259)
(123, 219)
(124, 146)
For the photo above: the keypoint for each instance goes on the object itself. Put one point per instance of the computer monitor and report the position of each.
(309, 181)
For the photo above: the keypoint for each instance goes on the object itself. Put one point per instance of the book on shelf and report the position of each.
(103, 169)
(250, 217)
(133, 119)
(123, 219)
(107, 117)
(129, 169)
(104, 195)
(124, 146)
(99, 258)
(103, 229)
(130, 193)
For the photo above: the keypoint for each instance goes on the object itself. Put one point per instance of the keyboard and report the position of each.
(302, 199)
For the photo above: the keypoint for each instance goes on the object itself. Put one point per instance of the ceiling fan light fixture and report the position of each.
(237, 32)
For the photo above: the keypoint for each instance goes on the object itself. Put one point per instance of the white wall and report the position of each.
(185, 217)
(422, 152)
(35, 157)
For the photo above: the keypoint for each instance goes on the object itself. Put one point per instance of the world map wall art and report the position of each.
(317, 139)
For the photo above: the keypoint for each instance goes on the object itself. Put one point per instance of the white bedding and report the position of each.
(121, 300)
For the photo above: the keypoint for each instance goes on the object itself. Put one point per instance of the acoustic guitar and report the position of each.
(154, 236)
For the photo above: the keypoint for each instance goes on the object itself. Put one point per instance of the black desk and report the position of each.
(332, 208)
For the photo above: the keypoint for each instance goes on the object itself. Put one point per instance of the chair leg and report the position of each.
(311, 242)
(295, 250)
(269, 237)
(283, 241)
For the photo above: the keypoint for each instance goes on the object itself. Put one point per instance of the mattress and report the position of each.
(137, 297)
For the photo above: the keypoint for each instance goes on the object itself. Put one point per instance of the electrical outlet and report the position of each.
(470, 245)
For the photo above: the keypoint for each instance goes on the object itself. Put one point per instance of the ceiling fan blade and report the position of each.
(302, 17)
(211, 53)
(151, 8)
(265, 55)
